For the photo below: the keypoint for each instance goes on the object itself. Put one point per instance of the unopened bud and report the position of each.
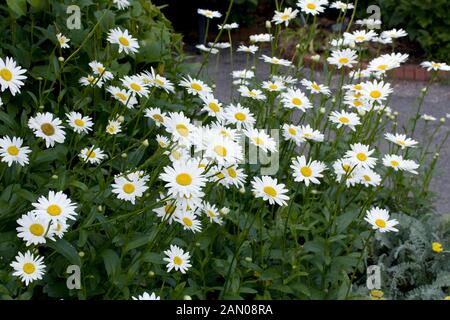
(124, 155)
(248, 259)
(81, 254)
(145, 143)
(61, 59)
(268, 24)
(187, 297)
(121, 119)
(151, 274)
(315, 58)
(242, 190)
(224, 211)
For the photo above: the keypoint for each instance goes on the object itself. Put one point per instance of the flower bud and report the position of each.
(315, 58)
(242, 190)
(61, 59)
(224, 211)
(248, 259)
(124, 155)
(187, 297)
(268, 24)
(151, 274)
(145, 143)
(81, 254)
(121, 119)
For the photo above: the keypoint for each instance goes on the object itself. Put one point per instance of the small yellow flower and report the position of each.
(436, 247)
(447, 298)
(377, 294)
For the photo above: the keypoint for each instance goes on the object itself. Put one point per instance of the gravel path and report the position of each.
(403, 100)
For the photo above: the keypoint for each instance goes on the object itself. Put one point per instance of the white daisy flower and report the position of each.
(261, 139)
(34, 229)
(376, 91)
(313, 7)
(204, 48)
(189, 221)
(314, 87)
(368, 177)
(343, 6)
(229, 176)
(11, 150)
(379, 219)
(210, 14)
(343, 58)
(262, 37)
(307, 172)
(163, 142)
(92, 155)
(360, 155)
(268, 189)
(295, 98)
(63, 41)
(99, 69)
(253, 94)
(55, 207)
(228, 26)
(48, 127)
(177, 124)
(343, 118)
(222, 150)
(78, 122)
(211, 211)
(156, 115)
(401, 140)
(130, 186)
(177, 259)
(136, 85)
(183, 178)
(435, 66)
(369, 23)
(11, 75)
(239, 116)
(126, 42)
(284, 16)
(155, 80)
(291, 133)
(168, 211)
(394, 33)
(194, 86)
(113, 127)
(243, 74)
(273, 86)
(247, 49)
(59, 228)
(360, 36)
(308, 133)
(28, 267)
(345, 168)
(212, 106)
(428, 117)
(91, 81)
(121, 4)
(145, 295)
(276, 61)
(124, 96)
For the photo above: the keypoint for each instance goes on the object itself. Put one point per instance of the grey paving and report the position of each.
(404, 100)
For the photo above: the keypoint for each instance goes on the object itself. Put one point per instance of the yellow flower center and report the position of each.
(357, 87)
(37, 229)
(214, 107)
(176, 154)
(361, 156)
(159, 82)
(90, 154)
(297, 101)
(54, 210)
(196, 86)
(344, 120)
(357, 95)
(184, 179)
(177, 260)
(382, 67)
(220, 150)
(169, 208)
(394, 163)
(124, 41)
(315, 86)
(48, 129)
(285, 17)
(436, 247)
(13, 150)
(258, 141)
(79, 122)
(135, 86)
(128, 188)
(182, 130)
(6, 74)
(121, 96)
(357, 103)
(232, 172)
(292, 131)
(375, 94)
(380, 223)
(360, 38)
(100, 70)
(346, 168)
(220, 175)
(311, 6)
(270, 191)
(401, 142)
(158, 118)
(240, 116)
(367, 178)
(29, 268)
(211, 213)
(306, 171)
(273, 86)
(343, 60)
(187, 221)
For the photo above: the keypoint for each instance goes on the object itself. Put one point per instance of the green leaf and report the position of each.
(67, 250)
(19, 7)
(111, 261)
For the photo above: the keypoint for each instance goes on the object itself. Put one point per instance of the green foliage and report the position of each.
(426, 21)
